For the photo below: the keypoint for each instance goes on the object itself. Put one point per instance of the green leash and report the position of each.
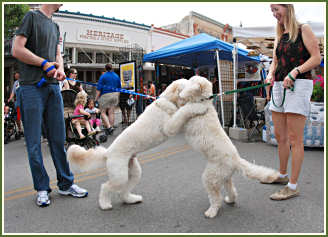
(245, 89)
(238, 90)
(215, 96)
(283, 99)
(284, 96)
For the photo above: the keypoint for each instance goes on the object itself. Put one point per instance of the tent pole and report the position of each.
(235, 66)
(220, 85)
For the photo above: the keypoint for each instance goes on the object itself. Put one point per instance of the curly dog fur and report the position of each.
(206, 135)
(123, 168)
(203, 131)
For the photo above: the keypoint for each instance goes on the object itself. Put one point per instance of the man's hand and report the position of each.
(60, 75)
(52, 72)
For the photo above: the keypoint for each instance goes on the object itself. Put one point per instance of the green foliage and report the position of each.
(14, 14)
(318, 92)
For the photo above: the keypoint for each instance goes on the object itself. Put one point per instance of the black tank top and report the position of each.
(76, 87)
(290, 55)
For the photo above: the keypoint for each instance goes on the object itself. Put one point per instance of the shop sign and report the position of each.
(103, 36)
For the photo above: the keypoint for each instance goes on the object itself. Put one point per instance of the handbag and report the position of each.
(130, 101)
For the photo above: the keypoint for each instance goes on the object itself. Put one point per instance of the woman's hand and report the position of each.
(269, 79)
(288, 82)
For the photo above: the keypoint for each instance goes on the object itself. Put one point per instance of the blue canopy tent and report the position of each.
(196, 51)
(201, 50)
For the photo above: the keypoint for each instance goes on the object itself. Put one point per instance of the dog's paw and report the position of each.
(200, 109)
(105, 205)
(132, 199)
(211, 212)
(229, 201)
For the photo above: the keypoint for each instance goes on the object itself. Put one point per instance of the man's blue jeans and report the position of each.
(39, 105)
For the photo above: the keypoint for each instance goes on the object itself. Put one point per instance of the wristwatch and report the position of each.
(298, 70)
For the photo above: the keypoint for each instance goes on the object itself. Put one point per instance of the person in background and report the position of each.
(162, 88)
(6, 110)
(150, 90)
(13, 96)
(80, 102)
(296, 52)
(108, 97)
(72, 85)
(93, 111)
(126, 103)
(215, 90)
(36, 46)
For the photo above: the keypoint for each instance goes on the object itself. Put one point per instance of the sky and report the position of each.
(164, 13)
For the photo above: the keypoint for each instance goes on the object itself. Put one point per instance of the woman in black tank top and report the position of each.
(72, 85)
(296, 52)
(290, 55)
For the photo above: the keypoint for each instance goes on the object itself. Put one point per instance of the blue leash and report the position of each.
(112, 88)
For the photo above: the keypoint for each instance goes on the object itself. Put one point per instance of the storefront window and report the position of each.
(100, 58)
(84, 57)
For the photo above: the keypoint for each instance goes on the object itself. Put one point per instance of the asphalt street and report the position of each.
(174, 198)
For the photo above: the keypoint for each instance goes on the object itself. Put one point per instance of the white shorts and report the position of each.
(297, 101)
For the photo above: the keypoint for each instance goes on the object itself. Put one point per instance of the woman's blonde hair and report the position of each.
(81, 98)
(291, 23)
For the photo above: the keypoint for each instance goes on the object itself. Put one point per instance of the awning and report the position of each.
(196, 51)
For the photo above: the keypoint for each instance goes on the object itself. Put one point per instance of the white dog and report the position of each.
(205, 134)
(124, 171)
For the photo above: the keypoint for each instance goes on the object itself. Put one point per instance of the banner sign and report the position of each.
(128, 75)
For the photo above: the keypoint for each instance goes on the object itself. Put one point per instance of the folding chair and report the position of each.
(250, 117)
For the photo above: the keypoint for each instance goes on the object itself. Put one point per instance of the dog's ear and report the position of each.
(206, 88)
(204, 84)
(190, 91)
(170, 90)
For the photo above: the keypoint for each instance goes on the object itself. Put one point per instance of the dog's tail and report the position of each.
(253, 171)
(83, 160)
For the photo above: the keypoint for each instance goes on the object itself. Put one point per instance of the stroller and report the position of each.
(72, 136)
(11, 128)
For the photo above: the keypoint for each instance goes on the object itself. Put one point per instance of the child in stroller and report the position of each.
(10, 128)
(80, 102)
(88, 138)
(95, 114)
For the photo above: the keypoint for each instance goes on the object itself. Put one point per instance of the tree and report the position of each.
(14, 14)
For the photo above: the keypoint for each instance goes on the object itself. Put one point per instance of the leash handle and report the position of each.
(41, 83)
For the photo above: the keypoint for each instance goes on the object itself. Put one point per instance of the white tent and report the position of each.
(261, 38)
(270, 31)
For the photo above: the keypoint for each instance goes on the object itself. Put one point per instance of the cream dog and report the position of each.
(205, 134)
(123, 168)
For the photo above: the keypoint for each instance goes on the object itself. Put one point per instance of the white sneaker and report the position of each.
(98, 129)
(74, 191)
(42, 199)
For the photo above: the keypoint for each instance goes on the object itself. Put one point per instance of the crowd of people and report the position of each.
(99, 110)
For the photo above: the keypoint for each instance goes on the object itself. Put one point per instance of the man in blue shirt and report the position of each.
(109, 98)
